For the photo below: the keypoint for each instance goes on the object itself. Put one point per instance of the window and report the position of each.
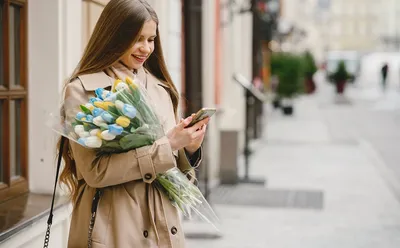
(13, 99)
(91, 10)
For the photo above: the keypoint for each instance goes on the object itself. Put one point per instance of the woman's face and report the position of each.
(142, 49)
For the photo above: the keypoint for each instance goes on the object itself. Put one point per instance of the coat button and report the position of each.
(148, 176)
(174, 230)
(145, 233)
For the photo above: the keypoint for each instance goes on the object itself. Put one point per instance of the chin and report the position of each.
(136, 67)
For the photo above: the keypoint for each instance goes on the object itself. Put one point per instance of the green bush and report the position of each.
(309, 66)
(289, 69)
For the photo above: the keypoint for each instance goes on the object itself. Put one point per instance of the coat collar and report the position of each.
(91, 82)
(106, 78)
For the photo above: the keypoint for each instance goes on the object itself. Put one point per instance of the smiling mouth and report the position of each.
(140, 58)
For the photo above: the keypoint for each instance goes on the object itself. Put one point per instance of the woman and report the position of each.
(130, 211)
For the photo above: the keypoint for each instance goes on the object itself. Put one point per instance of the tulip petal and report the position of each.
(99, 92)
(93, 142)
(115, 129)
(106, 135)
(80, 115)
(97, 112)
(119, 104)
(123, 121)
(107, 117)
(89, 118)
(98, 121)
(84, 134)
(78, 129)
(94, 132)
(129, 111)
(121, 86)
(82, 141)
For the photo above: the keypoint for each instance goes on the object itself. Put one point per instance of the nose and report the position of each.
(145, 48)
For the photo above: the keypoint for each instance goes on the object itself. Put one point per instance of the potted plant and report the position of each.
(290, 76)
(310, 69)
(340, 77)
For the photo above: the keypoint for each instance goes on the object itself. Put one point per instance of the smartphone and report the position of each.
(202, 114)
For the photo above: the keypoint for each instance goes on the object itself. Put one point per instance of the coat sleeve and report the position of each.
(98, 172)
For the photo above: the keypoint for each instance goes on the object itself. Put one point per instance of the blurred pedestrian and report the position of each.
(384, 72)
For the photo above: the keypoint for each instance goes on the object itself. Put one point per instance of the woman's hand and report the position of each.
(196, 143)
(190, 138)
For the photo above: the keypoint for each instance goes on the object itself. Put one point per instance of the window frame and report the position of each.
(12, 187)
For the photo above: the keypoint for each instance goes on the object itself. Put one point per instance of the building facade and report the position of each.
(344, 25)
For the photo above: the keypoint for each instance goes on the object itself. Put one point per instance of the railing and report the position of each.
(252, 95)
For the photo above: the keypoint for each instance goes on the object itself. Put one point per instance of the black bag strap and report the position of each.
(95, 202)
(50, 219)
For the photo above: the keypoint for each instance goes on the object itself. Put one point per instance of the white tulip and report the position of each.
(106, 135)
(98, 121)
(93, 142)
(94, 132)
(84, 134)
(119, 104)
(79, 129)
(121, 86)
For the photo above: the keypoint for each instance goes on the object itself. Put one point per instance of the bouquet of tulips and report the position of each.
(123, 119)
(117, 121)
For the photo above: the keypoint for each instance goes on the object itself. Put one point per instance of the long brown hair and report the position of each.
(115, 32)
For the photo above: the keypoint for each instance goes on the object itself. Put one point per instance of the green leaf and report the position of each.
(85, 110)
(135, 140)
(114, 112)
(135, 93)
(135, 123)
(78, 122)
(124, 97)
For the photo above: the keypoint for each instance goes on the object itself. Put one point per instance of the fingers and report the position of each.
(198, 134)
(184, 123)
(204, 128)
(199, 124)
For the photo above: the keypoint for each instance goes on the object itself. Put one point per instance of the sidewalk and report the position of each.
(334, 196)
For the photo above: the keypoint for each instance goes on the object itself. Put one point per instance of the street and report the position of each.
(332, 176)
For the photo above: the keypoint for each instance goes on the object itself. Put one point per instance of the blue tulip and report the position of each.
(129, 111)
(97, 112)
(99, 92)
(115, 129)
(80, 115)
(94, 99)
(107, 117)
(111, 97)
(89, 118)
(82, 141)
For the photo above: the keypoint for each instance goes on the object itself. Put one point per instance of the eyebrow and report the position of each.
(153, 36)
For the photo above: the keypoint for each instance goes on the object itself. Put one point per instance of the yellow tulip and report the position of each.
(130, 82)
(116, 82)
(108, 104)
(123, 121)
(103, 105)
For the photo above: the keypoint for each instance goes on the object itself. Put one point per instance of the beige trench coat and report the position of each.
(131, 213)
